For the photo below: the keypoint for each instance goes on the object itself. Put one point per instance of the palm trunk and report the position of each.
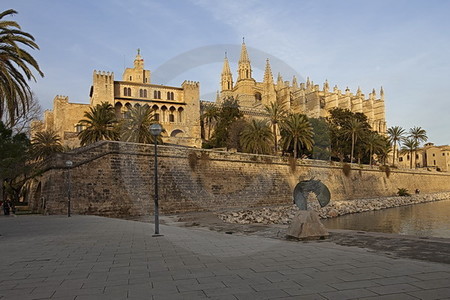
(295, 149)
(411, 158)
(393, 155)
(353, 148)
(275, 142)
(370, 156)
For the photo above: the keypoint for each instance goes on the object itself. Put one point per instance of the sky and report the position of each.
(400, 45)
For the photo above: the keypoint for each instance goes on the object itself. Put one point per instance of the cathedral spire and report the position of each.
(227, 77)
(294, 82)
(268, 77)
(381, 93)
(245, 69)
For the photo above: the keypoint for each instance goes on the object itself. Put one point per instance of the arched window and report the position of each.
(258, 96)
(145, 93)
(125, 91)
(157, 94)
(171, 118)
(141, 93)
(118, 109)
(170, 96)
(131, 78)
(157, 117)
(164, 113)
(180, 114)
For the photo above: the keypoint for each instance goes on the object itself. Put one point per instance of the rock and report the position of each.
(307, 225)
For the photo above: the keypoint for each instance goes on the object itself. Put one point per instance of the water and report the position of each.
(430, 219)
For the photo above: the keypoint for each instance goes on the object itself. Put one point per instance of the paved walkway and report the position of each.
(88, 257)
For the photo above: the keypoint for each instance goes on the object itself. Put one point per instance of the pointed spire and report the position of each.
(245, 69)
(308, 83)
(268, 77)
(374, 93)
(326, 86)
(227, 77)
(381, 93)
(280, 83)
(226, 66)
(358, 92)
(244, 53)
(294, 82)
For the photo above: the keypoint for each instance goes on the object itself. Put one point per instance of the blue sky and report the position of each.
(400, 45)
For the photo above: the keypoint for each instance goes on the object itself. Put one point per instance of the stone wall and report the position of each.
(116, 179)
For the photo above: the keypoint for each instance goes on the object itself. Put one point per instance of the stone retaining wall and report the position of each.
(116, 179)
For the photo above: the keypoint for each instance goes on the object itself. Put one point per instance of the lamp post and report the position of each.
(155, 130)
(69, 165)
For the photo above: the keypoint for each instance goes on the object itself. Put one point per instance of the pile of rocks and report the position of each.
(284, 214)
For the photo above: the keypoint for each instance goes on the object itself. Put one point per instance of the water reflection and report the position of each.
(425, 220)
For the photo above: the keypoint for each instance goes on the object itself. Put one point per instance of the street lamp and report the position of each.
(69, 165)
(155, 130)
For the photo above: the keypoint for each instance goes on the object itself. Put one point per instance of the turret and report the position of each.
(244, 67)
(137, 74)
(280, 83)
(382, 94)
(326, 86)
(226, 77)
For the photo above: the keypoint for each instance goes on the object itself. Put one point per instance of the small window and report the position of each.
(434, 162)
(127, 91)
(407, 157)
(141, 93)
(131, 78)
(258, 96)
(434, 154)
(417, 156)
(145, 93)
(171, 118)
(400, 159)
(157, 94)
(156, 117)
(443, 154)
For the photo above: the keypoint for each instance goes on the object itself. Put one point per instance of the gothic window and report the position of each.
(145, 93)
(141, 93)
(156, 117)
(131, 78)
(180, 114)
(127, 91)
(258, 96)
(170, 96)
(171, 118)
(157, 94)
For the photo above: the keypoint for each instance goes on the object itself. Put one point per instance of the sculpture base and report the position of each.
(306, 225)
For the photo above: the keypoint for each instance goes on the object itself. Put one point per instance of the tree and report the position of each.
(396, 135)
(322, 138)
(229, 113)
(24, 117)
(296, 131)
(16, 67)
(355, 129)
(45, 143)
(276, 113)
(136, 126)
(376, 144)
(257, 137)
(13, 162)
(341, 132)
(100, 124)
(419, 135)
(209, 116)
(409, 146)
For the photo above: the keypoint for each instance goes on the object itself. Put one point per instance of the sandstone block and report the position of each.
(306, 225)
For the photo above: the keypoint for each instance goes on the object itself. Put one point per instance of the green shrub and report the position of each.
(402, 192)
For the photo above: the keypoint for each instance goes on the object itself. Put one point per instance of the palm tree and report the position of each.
(276, 113)
(46, 143)
(375, 144)
(296, 131)
(210, 116)
(100, 124)
(16, 66)
(396, 135)
(256, 137)
(409, 146)
(137, 125)
(355, 129)
(419, 135)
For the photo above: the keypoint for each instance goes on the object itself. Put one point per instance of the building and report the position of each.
(306, 98)
(176, 108)
(430, 156)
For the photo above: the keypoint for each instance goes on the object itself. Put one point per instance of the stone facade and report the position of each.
(306, 98)
(116, 179)
(176, 108)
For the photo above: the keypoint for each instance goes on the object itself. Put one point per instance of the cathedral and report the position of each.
(306, 98)
(178, 109)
